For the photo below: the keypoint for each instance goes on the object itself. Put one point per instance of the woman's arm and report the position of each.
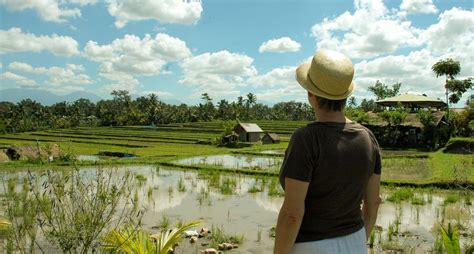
(290, 216)
(371, 203)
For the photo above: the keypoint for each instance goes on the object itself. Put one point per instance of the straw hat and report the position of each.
(329, 75)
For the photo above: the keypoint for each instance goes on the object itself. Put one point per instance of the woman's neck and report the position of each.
(331, 116)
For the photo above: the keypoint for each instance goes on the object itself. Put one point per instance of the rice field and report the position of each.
(167, 144)
(245, 208)
(180, 174)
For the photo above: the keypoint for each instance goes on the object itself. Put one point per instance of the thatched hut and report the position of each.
(248, 132)
(271, 138)
(412, 101)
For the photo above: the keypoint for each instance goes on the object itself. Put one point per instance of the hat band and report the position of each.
(314, 84)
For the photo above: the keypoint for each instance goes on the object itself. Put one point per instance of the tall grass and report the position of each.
(72, 210)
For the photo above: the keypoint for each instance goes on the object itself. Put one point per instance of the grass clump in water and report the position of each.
(140, 178)
(218, 236)
(401, 194)
(451, 199)
(181, 186)
(228, 185)
(417, 200)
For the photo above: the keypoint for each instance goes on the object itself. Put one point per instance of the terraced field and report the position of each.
(170, 144)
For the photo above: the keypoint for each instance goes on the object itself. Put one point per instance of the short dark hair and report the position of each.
(331, 105)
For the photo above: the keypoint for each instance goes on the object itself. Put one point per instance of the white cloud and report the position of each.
(48, 10)
(82, 2)
(22, 81)
(14, 40)
(71, 74)
(418, 6)
(413, 71)
(158, 93)
(24, 67)
(65, 89)
(454, 30)
(372, 30)
(170, 11)
(287, 93)
(281, 45)
(276, 77)
(217, 73)
(124, 82)
(131, 56)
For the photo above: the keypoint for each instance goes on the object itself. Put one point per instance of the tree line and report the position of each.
(122, 110)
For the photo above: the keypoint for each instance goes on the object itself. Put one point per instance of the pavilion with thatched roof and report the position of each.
(410, 132)
(413, 101)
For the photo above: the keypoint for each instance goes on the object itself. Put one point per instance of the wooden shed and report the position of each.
(248, 132)
(271, 138)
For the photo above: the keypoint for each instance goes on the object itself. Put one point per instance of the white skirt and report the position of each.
(354, 243)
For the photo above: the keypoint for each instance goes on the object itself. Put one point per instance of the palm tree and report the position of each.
(447, 67)
(249, 102)
(222, 109)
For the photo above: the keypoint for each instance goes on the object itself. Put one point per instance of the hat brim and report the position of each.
(302, 78)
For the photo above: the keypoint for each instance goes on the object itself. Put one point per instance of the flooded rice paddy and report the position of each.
(247, 206)
(235, 162)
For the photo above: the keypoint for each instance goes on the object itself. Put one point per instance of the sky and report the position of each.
(180, 49)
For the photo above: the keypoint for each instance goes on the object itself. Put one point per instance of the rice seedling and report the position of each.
(200, 199)
(181, 186)
(417, 200)
(254, 188)
(274, 188)
(149, 192)
(135, 199)
(218, 236)
(259, 235)
(390, 231)
(170, 191)
(372, 239)
(228, 185)
(429, 198)
(451, 199)
(438, 244)
(417, 218)
(467, 199)
(214, 180)
(164, 223)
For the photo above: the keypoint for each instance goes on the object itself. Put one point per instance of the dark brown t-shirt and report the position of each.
(337, 160)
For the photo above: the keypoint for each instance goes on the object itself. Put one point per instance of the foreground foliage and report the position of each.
(132, 240)
(71, 210)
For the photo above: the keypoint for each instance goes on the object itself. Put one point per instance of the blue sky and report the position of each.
(180, 50)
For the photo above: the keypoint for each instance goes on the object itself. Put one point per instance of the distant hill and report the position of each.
(44, 97)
